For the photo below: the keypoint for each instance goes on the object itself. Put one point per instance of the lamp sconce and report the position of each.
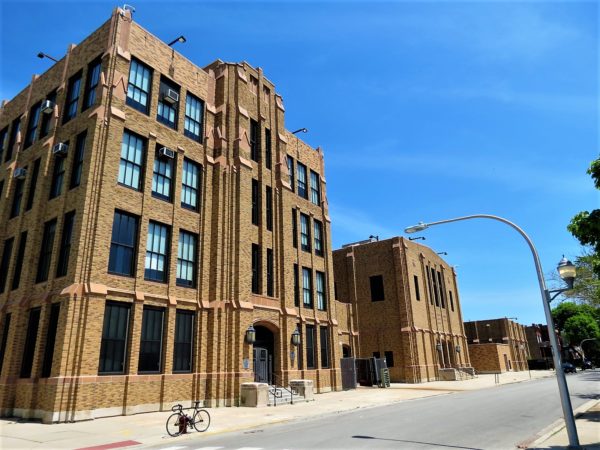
(439, 347)
(250, 335)
(296, 337)
(457, 348)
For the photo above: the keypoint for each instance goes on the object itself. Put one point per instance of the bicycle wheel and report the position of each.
(175, 424)
(201, 420)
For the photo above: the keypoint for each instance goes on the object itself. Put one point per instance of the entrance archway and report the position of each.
(346, 352)
(263, 355)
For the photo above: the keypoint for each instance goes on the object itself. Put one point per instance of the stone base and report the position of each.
(254, 394)
(304, 388)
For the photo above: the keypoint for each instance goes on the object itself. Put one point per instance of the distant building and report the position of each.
(539, 343)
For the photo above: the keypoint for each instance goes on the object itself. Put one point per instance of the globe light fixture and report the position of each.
(566, 270)
(296, 337)
(250, 335)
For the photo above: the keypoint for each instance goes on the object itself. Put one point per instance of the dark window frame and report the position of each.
(184, 259)
(14, 131)
(307, 291)
(183, 345)
(268, 149)
(302, 180)
(389, 358)
(318, 237)
(269, 207)
(16, 279)
(163, 173)
(46, 250)
(291, 173)
(188, 189)
(296, 285)
(92, 80)
(3, 141)
(15, 208)
(5, 334)
(416, 284)
(133, 88)
(155, 254)
(310, 347)
(30, 344)
(377, 288)
(47, 118)
(164, 109)
(66, 238)
(193, 122)
(255, 202)
(7, 250)
(151, 344)
(270, 277)
(77, 163)
(50, 340)
(58, 176)
(322, 291)
(129, 247)
(255, 152)
(305, 244)
(72, 98)
(295, 227)
(324, 344)
(256, 260)
(33, 184)
(129, 165)
(114, 346)
(315, 188)
(32, 124)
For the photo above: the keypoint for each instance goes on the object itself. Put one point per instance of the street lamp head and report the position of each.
(566, 270)
(300, 130)
(250, 335)
(416, 228)
(181, 39)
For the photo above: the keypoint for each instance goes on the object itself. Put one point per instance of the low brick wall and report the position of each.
(490, 358)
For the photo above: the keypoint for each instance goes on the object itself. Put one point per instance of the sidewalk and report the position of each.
(149, 428)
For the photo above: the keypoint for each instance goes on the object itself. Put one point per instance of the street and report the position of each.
(495, 418)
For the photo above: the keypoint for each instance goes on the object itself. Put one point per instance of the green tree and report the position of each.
(579, 327)
(564, 312)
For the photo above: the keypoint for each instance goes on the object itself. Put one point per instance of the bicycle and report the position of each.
(179, 422)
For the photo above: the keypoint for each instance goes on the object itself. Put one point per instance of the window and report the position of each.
(389, 359)
(132, 155)
(255, 269)
(294, 228)
(310, 346)
(46, 251)
(269, 207)
(123, 244)
(255, 202)
(417, 292)
(254, 141)
(157, 252)
(190, 183)
(315, 188)
(324, 335)
(65, 245)
(91, 83)
(441, 289)
(1, 187)
(78, 160)
(435, 287)
(304, 232)
(14, 131)
(47, 118)
(192, 124)
(5, 331)
(429, 284)
(50, 340)
(321, 297)
(17, 197)
(151, 340)
(270, 272)
(115, 331)
(184, 335)
(19, 262)
(290, 165)
(162, 176)
(307, 295)
(186, 259)
(30, 341)
(33, 184)
(5, 263)
(3, 146)
(296, 286)
(268, 148)
(34, 117)
(318, 230)
(451, 300)
(300, 352)
(302, 192)
(168, 103)
(72, 97)
(376, 283)
(377, 355)
(138, 88)
(58, 175)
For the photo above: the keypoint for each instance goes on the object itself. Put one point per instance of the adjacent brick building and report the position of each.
(406, 309)
(151, 212)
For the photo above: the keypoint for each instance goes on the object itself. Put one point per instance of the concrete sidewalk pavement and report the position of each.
(149, 428)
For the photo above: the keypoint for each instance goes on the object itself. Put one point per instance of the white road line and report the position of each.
(173, 448)
(209, 448)
(249, 448)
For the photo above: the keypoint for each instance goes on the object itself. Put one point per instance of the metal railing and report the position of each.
(277, 390)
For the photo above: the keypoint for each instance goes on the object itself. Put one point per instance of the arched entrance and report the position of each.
(346, 352)
(263, 355)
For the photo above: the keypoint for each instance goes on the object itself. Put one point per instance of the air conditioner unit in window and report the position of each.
(171, 96)
(60, 149)
(165, 152)
(20, 173)
(47, 107)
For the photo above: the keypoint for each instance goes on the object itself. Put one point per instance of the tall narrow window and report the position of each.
(190, 182)
(5, 330)
(376, 284)
(14, 132)
(321, 296)
(65, 245)
(451, 300)
(72, 99)
(435, 287)
(115, 330)
(58, 176)
(157, 246)
(77, 167)
(46, 251)
(34, 117)
(1, 187)
(138, 88)
(162, 175)
(324, 335)
(268, 148)
(50, 340)
(429, 287)
(123, 244)
(302, 191)
(30, 342)
(290, 166)
(17, 198)
(315, 188)
(19, 262)
(194, 110)
(5, 263)
(168, 103)
(304, 232)
(318, 231)
(270, 272)
(294, 228)
(184, 338)
(307, 294)
(269, 207)
(132, 156)
(310, 346)
(255, 269)
(254, 140)
(91, 83)
(255, 202)
(296, 286)
(3, 142)
(33, 184)
(389, 359)
(151, 340)
(47, 117)
(441, 289)
(186, 259)
(417, 292)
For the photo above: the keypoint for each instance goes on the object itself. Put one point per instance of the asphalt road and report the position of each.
(495, 418)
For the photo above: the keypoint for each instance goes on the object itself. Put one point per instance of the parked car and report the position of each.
(568, 367)
(587, 364)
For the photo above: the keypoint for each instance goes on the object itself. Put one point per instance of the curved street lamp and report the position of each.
(566, 270)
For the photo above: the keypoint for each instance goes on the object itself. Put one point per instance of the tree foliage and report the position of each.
(580, 327)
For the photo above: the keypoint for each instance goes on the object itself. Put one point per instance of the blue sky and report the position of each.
(425, 111)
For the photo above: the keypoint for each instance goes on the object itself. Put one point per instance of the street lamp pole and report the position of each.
(565, 400)
(581, 345)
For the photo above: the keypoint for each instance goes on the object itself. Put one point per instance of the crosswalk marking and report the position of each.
(250, 448)
(209, 448)
(173, 448)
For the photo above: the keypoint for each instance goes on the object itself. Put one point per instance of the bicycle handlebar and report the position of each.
(176, 408)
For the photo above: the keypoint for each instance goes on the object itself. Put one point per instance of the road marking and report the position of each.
(250, 448)
(209, 448)
(173, 448)
(112, 445)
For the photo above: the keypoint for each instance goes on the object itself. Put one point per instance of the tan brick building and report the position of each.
(151, 212)
(406, 309)
(497, 345)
